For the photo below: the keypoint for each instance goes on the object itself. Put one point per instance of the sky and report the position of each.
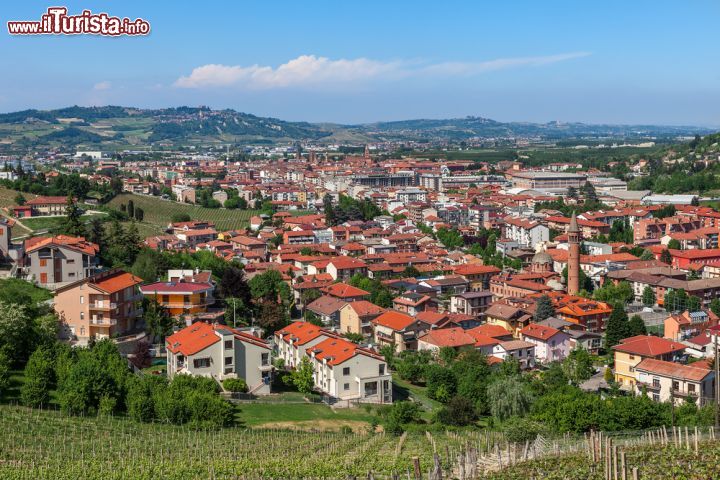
(349, 61)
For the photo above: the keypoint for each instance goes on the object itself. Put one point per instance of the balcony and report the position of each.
(649, 386)
(103, 322)
(103, 306)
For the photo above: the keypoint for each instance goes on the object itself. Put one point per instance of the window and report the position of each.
(82, 299)
(346, 371)
(656, 397)
(228, 360)
(691, 388)
(166, 299)
(201, 363)
(265, 359)
(186, 298)
(632, 357)
(371, 388)
(43, 262)
(82, 315)
(656, 382)
(228, 344)
(381, 369)
(70, 261)
(675, 385)
(346, 386)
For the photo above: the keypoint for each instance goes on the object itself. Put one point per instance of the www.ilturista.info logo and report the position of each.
(57, 22)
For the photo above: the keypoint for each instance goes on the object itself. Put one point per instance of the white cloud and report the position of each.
(102, 86)
(308, 70)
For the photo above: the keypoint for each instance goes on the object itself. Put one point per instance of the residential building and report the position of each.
(357, 317)
(52, 262)
(550, 343)
(185, 292)
(472, 303)
(631, 351)
(522, 351)
(397, 329)
(348, 373)
(99, 306)
(665, 381)
(221, 352)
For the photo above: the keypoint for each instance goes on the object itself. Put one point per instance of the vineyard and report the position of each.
(158, 212)
(45, 444)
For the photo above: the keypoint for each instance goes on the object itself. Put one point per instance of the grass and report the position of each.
(286, 414)
(403, 390)
(158, 213)
(16, 288)
(49, 223)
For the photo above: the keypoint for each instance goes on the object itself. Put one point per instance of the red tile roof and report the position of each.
(540, 332)
(117, 281)
(338, 350)
(673, 370)
(393, 319)
(193, 339)
(448, 337)
(343, 290)
(648, 346)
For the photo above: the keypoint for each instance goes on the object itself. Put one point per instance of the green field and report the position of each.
(47, 444)
(158, 212)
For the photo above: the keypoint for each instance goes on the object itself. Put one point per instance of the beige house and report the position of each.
(221, 352)
(665, 380)
(348, 373)
(100, 306)
(356, 317)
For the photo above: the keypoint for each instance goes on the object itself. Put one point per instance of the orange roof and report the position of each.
(302, 332)
(193, 339)
(395, 320)
(493, 331)
(347, 262)
(117, 281)
(73, 243)
(363, 307)
(475, 269)
(449, 337)
(648, 346)
(673, 370)
(343, 290)
(338, 350)
(540, 332)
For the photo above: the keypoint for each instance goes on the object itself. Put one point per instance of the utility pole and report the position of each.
(717, 382)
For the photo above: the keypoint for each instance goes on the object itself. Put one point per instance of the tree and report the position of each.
(73, 224)
(509, 396)
(694, 303)
(328, 209)
(130, 208)
(234, 284)
(158, 322)
(674, 244)
(636, 326)
(589, 192)
(459, 411)
(441, 383)
(302, 377)
(617, 326)
(572, 193)
(715, 306)
(666, 257)
(149, 265)
(273, 316)
(139, 214)
(39, 377)
(20, 199)
(543, 309)
(4, 374)
(180, 217)
(611, 293)
(411, 272)
(401, 413)
(578, 366)
(95, 232)
(14, 329)
(648, 296)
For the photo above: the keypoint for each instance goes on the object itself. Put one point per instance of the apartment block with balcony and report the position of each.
(221, 352)
(663, 381)
(52, 262)
(101, 306)
(185, 292)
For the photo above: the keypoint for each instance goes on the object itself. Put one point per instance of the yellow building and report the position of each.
(184, 292)
(510, 318)
(631, 351)
(355, 317)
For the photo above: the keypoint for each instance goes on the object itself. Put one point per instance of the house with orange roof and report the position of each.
(522, 351)
(293, 341)
(397, 329)
(669, 381)
(55, 261)
(590, 314)
(220, 352)
(99, 306)
(550, 343)
(478, 275)
(631, 351)
(343, 268)
(356, 317)
(453, 337)
(45, 206)
(345, 292)
(185, 292)
(684, 325)
(349, 374)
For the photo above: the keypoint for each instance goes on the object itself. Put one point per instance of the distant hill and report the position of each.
(113, 127)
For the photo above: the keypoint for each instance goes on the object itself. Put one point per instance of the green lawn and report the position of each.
(44, 223)
(403, 390)
(313, 415)
(15, 288)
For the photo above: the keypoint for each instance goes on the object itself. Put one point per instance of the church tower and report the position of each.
(573, 284)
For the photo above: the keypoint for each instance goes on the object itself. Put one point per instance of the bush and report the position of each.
(399, 414)
(39, 376)
(235, 385)
(459, 412)
(520, 430)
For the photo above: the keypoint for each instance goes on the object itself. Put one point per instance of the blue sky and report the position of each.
(361, 61)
